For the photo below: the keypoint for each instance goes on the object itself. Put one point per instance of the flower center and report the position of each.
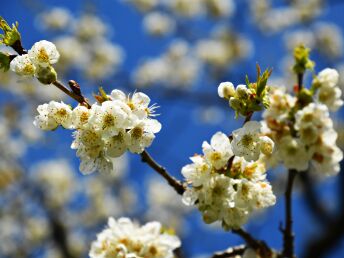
(247, 141)
(137, 132)
(43, 56)
(108, 121)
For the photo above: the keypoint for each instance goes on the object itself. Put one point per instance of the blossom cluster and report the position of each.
(273, 19)
(123, 238)
(325, 37)
(225, 187)
(188, 8)
(304, 134)
(37, 62)
(106, 130)
(176, 68)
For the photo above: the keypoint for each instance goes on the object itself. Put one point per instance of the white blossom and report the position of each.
(292, 152)
(246, 142)
(331, 97)
(106, 130)
(123, 238)
(110, 117)
(45, 120)
(61, 112)
(218, 151)
(22, 65)
(328, 77)
(44, 53)
(228, 195)
(80, 117)
(326, 155)
(141, 135)
(312, 120)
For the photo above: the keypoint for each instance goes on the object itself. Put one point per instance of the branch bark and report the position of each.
(176, 184)
(288, 234)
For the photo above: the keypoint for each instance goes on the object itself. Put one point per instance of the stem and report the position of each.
(248, 117)
(18, 47)
(78, 98)
(300, 81)
(177, 185)
(288, 234)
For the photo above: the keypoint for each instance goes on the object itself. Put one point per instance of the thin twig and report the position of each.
(288, 234)
(79, 98)
(18, 47)
(300, 81)
(177, 185)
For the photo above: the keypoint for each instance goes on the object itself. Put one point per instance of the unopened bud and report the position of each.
(235, 103)
(266, 145)
(226, 90)
(46, 75)
(242, 92)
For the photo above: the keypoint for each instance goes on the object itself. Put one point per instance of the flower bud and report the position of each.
(266, 145)
(235, 103)
(226, 90)
(46, 75)
(242, 92)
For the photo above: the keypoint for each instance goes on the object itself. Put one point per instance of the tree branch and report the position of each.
(78, 97)
(288, 235)
(177, 185)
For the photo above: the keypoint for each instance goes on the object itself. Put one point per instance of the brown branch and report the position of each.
(78, 97)
(230, 252)
(288, 235)
(248, 117)
(18, 47)
(75, 92)
(177, 185)
(300, 81)
(259, 246)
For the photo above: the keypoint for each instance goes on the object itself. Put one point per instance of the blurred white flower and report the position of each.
(158, 24)
(56, 18)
